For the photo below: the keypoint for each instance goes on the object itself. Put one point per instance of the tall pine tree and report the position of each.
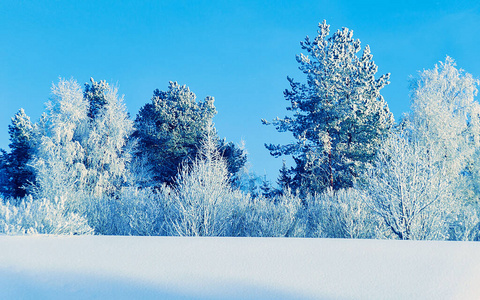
(338, 117)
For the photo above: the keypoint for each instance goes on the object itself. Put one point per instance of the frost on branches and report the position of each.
(82, 155)
(203, 202)
(411, 197)
(338, 117)
(445, 115)
(423, 180)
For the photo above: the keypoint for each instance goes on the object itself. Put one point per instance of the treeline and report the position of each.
(85, 167)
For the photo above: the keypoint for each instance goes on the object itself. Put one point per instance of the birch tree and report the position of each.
(413, 198)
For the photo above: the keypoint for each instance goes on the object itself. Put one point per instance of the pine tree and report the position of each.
(339, 117)
(266, 188)
(169, 131)
(4, 180)
(18, 175)
(170, 128)
(94, 93)
(284, 180)
(235, 158)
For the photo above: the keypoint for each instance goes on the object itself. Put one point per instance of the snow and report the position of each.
(114, 267)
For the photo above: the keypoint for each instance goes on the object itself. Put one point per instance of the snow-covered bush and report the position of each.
(202, 201)
(331, 214)
(58, 155)
(340, 214)
(142, 212)
(132, 211)
(279, 217)
(41, 216)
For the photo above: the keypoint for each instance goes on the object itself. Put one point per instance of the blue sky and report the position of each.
(240, 52)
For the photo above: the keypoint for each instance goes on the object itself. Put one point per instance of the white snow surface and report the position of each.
(114, 267)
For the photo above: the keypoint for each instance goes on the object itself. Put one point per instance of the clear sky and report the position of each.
(240, 52)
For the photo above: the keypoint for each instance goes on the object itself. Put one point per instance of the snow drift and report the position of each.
(59, 267)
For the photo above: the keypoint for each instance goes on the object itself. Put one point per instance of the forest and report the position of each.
(87, 167)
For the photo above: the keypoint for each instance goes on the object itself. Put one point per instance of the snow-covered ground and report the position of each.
(107, 267)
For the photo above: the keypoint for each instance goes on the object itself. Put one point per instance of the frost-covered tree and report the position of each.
(338, 117)
(170, 129)
(445, 120)
(17, 173)
(202, 201)
(59, 156)
(84, 156)
(445, 115)
(105, 139)
(414, 199)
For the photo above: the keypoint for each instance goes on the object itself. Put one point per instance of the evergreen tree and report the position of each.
(284, 180)
(17, 174)
(266, 188)
(170, 129)
(234, 157)
(94, 93)
(339, 117)
(4, 182)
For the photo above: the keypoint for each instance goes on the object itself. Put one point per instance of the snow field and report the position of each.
(114, 267)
